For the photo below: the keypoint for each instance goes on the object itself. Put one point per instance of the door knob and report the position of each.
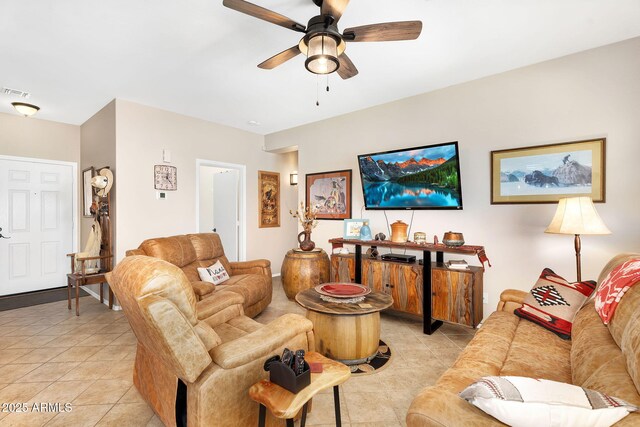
(1, 236)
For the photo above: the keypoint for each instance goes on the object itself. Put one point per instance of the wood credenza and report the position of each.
(448, 295)
(456, 295)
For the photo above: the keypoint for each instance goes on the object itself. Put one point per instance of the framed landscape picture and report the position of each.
(268, 199)
(330, 194)
(546, 173)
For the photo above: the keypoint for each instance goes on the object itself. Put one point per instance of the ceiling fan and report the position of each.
(322, 43)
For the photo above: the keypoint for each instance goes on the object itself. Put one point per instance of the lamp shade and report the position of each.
(322, 55)
(577, 215)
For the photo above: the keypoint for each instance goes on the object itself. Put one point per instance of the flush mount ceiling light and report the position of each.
(323, 44)
(25, 109)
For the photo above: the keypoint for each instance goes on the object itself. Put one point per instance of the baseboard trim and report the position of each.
(105, 302)
(28, 299)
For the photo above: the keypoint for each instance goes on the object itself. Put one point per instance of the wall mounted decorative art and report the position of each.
(329, 193)
(546, 173)
(269, 199)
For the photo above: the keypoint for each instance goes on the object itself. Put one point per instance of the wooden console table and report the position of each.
(429, 324)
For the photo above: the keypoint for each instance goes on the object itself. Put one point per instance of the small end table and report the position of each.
(285, 405)
(303, 270)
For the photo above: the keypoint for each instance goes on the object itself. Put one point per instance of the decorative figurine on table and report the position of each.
(365, 232)
(307, 218)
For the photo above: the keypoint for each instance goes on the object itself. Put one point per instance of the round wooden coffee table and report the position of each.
(349, 333)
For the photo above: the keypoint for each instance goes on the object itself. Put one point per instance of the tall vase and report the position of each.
(304, 238)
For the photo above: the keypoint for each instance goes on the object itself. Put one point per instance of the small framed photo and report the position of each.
(352, 228)
(546, 173)
(329, 193)
(87, 191)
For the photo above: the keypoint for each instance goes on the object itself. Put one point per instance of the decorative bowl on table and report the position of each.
(342, 290)
(452, 238)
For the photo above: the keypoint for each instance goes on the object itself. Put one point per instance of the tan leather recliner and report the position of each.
(209, 345)
(251, 279)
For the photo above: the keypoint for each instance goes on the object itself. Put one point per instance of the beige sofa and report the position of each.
(251, 279)
(600, 357)
(198, 357)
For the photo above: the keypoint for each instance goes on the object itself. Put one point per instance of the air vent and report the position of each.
(15, 92)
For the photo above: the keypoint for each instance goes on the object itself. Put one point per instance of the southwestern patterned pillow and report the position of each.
(529, 402)
(614, 286)
(553, 302)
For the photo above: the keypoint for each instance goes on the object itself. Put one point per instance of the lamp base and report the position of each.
(577, 245)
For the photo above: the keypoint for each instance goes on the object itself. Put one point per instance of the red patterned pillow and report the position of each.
(553, 302)
(614, 286)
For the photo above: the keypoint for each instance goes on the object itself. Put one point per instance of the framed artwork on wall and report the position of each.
(546, 173)
(269, 199)
(329, 193)
(87, 191)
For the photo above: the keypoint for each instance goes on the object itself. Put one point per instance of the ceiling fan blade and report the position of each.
(280, 58)
(264, 14)
(388, 31)
(346, 69)
(334, 8)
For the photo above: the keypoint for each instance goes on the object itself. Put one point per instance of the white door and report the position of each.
(36, 214)
(225, 210)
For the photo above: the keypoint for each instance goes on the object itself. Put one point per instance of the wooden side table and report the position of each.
(285, 405)
(303, 270)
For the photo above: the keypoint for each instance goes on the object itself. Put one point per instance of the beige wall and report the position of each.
(143, 132)
(590, 94)
(98, 142)
(41, 139)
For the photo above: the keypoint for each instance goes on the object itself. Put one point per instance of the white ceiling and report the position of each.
(199, 58)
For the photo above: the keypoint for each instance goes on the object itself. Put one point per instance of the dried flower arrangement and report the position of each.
(306, 217)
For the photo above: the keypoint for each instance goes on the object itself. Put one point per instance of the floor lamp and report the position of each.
(577, 215)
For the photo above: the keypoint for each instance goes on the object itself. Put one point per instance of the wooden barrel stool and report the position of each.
(303, 270)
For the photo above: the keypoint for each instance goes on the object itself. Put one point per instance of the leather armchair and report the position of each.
(208, 349)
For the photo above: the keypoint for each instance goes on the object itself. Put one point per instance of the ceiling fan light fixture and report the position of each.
(322, 54)
(25, 109)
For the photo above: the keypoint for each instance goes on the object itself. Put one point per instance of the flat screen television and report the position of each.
(425, 177)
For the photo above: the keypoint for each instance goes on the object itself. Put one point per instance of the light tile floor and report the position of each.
(49, 355)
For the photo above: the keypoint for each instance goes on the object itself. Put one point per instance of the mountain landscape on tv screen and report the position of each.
(411, 179)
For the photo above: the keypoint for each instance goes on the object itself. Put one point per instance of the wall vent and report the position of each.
(15, 92)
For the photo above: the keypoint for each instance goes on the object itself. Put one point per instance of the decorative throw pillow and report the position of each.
(529, 402)
(215, 274)
(614, 286)
(553, 302)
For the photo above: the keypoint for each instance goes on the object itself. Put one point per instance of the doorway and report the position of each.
(38, 213)
(220, 204)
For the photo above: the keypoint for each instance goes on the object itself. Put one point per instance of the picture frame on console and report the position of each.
(329, 193)
(352, 228)
(268, 199)
(87, 191)
(546, 173)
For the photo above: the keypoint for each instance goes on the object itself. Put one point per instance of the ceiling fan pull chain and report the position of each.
(327, 82)
(317, 90)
